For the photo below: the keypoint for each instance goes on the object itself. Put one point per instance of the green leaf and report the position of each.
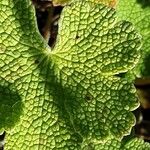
(127, 144)
(138, 12)
(110, 3)
(135, 144)
(72, 93)
(10, 105)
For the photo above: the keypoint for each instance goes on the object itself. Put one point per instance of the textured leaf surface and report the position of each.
(113, 144)
(70, 95)
(111, 3)
(10, 105)
(138, 12)
(135, 144)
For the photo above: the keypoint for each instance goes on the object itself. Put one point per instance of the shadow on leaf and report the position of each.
(10, 106)
(144, 3)
(146, 71)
